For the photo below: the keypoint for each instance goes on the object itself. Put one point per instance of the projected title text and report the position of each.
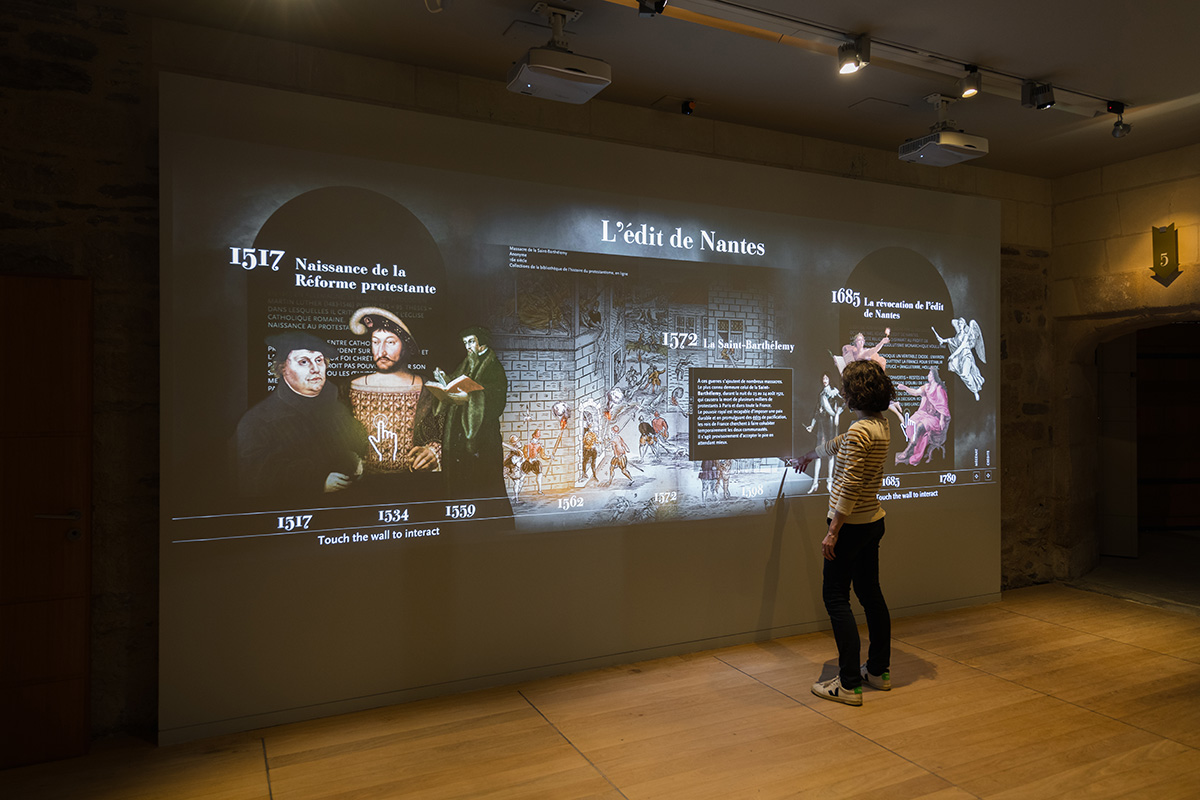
(646, 235)
(310, 273)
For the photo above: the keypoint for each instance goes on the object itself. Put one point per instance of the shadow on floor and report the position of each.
(1164, 574)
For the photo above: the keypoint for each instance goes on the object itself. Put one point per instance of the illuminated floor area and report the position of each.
(1051, 693)
(1164, 574)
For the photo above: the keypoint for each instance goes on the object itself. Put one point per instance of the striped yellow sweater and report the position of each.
(858, 456)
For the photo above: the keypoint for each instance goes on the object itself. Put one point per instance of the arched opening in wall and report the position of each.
(1150, 464)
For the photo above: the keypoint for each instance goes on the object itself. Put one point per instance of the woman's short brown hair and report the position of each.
(867, 387)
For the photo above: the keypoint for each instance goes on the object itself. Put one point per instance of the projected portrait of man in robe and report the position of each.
(300, 440)
(472, 448)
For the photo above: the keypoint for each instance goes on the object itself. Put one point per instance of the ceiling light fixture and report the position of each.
(649, 8)
(735, 16)
(1120, 128)
(853, 56)
(1037, 95)
(1043, 96)
(970, 84)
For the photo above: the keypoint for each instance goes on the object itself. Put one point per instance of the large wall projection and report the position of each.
(446, 402)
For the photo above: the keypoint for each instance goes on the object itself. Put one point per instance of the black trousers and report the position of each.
(856, 564)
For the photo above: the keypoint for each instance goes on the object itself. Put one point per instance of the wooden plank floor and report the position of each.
(1051, 693)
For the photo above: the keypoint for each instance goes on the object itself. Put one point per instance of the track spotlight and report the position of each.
(648, 8)
(853, 56)
(1043, 96)
(1120, 128)
(969, 84)
(1037, 95)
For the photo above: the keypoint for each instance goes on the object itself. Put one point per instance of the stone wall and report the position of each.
(78, 153)
(1101, 287)
(78, 166)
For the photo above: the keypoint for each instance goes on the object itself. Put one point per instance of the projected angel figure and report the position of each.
(967, 338)
(926, 430)
(857, 350)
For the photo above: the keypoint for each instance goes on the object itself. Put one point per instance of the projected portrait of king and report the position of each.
(403, 430)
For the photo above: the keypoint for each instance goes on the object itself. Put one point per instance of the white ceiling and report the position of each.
(1090, 51)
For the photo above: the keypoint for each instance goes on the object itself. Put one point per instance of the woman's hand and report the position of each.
(828, 544)
(830, 540)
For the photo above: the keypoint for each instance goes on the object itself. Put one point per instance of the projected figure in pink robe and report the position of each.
(927, 428)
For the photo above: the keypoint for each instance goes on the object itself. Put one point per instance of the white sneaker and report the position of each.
(833, 690)
(882, 682)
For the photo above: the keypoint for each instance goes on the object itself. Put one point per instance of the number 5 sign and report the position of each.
(1166, 254)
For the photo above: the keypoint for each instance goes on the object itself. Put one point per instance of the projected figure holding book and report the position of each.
(299, 440)
(472, 398)
(399, 415)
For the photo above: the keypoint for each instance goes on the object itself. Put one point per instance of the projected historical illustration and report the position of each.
(479, 400)
(435, 354)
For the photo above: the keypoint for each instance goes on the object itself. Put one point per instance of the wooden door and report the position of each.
(45, 518)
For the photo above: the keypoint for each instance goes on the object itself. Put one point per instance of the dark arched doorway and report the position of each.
(1149, 469)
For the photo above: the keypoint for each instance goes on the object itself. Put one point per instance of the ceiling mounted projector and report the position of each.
(943, 146)
(553, 72)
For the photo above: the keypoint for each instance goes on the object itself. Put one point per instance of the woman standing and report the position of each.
(851, 545)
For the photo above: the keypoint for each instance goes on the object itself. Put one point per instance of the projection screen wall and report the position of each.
(648, 334)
